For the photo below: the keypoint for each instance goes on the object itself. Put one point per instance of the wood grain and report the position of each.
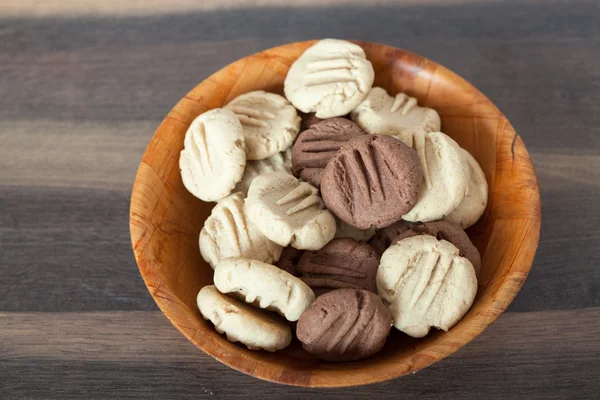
(105, 355)
(54, 8)
(110, 80)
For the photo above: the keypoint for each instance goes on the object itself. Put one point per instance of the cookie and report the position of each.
(473, 205)
(445, 177)
(344, 230)
(330, 78)
(342, 263)
(319, 144)
(398, 115)
(383, 237)
(243, 323)
(445, 230)
(344, 325)
(263, 285)
(289, 259)
(289, 212)
(425, 283)
(270, 123)
(228, 232)
(372, 181)
(280, 162)
(308, 120)
(213, 157)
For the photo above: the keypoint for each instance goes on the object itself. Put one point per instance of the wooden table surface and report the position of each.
(83, 87)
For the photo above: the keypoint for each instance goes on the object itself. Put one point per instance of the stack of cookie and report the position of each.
(339, 206)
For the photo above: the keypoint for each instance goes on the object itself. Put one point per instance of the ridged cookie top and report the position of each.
(344, 325)
(342, 263)
(270, 123)
(320, 143)
(289, 212)
(213, 157)
(398, 115)
(425, 283)
(228, 232)
(264, 285)
(330, 78)
(445, 230)
(372, 181)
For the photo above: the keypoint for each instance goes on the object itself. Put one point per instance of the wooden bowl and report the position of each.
(165, 219)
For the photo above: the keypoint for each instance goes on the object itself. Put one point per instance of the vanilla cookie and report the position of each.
(398, 116)
(289, 212)
(425, 283)
(270, 123)
(263, 285)
(280, 162)
(228, 232)
(330, 78)
(442, 230)
(345, 230)
(256, 329)
(445, 176)
(471, 208)
(213, 158)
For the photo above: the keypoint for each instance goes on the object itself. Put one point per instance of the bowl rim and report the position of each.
(436, 352)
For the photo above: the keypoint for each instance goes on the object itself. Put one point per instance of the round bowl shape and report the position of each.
(165, 219)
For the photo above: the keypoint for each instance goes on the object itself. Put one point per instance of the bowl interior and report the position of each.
(165, 219)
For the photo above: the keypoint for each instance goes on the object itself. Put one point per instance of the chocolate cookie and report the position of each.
(308, 120)
(445, 230)
(319, 144)
(373, 180)
(289, 259)
(344, 325)
(342, 263)
(383, 237)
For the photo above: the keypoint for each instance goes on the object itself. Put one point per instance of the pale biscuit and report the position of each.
(398, 116)
(471, 208)
(263, 285)
(445, 176)
(269, 121)
(345, 230)
(228, 232)
(280, 162)
(330, 78)
(425, 283)
(289, 212)
(213, 158)
(256, 329)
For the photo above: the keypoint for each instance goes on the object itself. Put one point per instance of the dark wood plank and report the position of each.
(67, 249)
(80, 98)
(80, 108)
(65, 244)
(540, 355)
(137, 68)
(73, 154)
